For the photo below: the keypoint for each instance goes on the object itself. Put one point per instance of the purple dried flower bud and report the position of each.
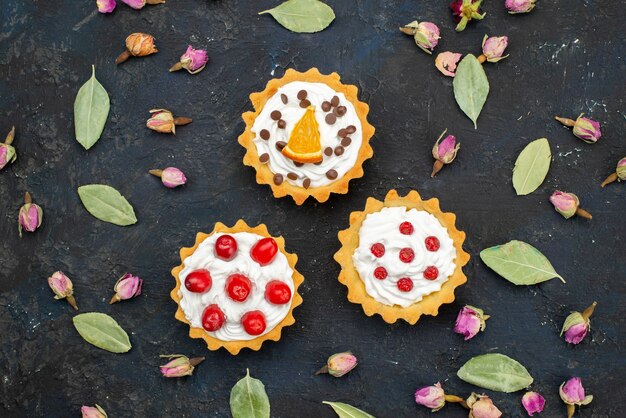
(7, 151)
(446, 62)
(444, 151)
(162, 120)
(519, 6)
(533, 402)
(127, 287)
(567, 204)
(193, 60)
(180, 365)
(105, 6)
(493, 48)
(432, 397)
(30, 216)
(339, 364)
(573, 393)
(465, 10)
(62, 287)
(139, 4)
(93, 412)
(425, 34)
(171, 177)
(577, 325)
(481, 406)
(621, 169)
(586, 129)
(470, 321)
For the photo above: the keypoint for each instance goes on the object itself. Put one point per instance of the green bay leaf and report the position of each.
(471, 87)
(248, 399)
(531, 166)
(102, 331)
(91, 109)
(107, 204)
(343, 410)
(303, 16)
(497, 372)
(520, 263)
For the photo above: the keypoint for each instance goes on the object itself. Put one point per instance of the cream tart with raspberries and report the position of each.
(236, 287)
(402, 258)
(308, 135)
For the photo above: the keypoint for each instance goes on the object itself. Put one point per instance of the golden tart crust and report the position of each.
(349, 276)
(235, 346)
(263, 173)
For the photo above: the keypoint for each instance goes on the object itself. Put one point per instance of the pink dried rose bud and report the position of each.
(573, 393)
(432, 397)
(465, 10)
(139, 4)
(137, 45)
(470, 321)
(425, 34)
(105, 6)
(171, 177)
(7, 151)
(446, 62)
(127, 287)
(193, 60)
(619, 175)
(444, 151)
(30, 216)
(179, 365)
(519, 6)
(162, 120)
(533, 403)
(584, 128)
(577, 325)
(493, 48)
(567, 204)
(93, 412)
(62, 287)
(481, 406)
(339, 364)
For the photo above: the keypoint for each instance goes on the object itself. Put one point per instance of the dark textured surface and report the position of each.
(565, 59)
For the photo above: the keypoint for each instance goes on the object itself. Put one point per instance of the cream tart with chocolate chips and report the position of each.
(308, 135)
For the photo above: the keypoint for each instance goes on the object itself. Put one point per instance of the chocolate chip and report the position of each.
(346, 141)
(351, 129)
(318, 163)
(264, 134)
(302, 94)
(331, 174)
(305, 103)
(328, 151)
(342, 133)
(292, 176)
(276, 115)
(326, 106)
(280, 145)
(297, 164)
(340, 110)
(338, 150)
(264, 158)
(281, 124)
(334, 102)
(284, 98)
(330, 119)
(278, 179)
(306, 183)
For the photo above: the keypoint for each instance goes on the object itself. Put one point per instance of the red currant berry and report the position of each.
(238, 287)
(407, 255)
(380, 273)
(253, 322)
(264, 251)
(405, 284)
(198, 281)
(277, 292)
(226, 247)
(432, 243)
(213, 318)
(406, 228)
(431, 273)
(378, 250)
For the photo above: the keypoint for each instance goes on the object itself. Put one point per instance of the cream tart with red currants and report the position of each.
(236, 287)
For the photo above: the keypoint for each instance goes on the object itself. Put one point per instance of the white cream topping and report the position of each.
(193, 304)
(383, 227)
(291, 112)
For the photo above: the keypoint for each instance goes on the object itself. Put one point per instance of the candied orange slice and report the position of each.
(304, 144)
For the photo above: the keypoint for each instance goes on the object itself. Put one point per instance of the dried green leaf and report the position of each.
(471, 87)
(520, 263)
(344, 410)
(248, 399)
(497, 372)
(531, 166)
(107, 204)
(102, 331)
(303, 16)
(91, 109)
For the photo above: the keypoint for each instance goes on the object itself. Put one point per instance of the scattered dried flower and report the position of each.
(619, 175)
(444, 152)
(533, 403)
(105, 6)
(577, 325)
(180, 365)
(7, 151)
(30, 216)
(193, 60)
(481, 406)
(493, 48)
(432, 397)
(137, 45)
(62, 287)
(162, 120)
(519, 6)
(127, 287)
(567, 204)
(139, 4)
(573, 393)
(425, 34)
(470, 321)
(171, 177)
(584, 128)
(339, 364)
(93, 412)
(446, 62)
(464, 11)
